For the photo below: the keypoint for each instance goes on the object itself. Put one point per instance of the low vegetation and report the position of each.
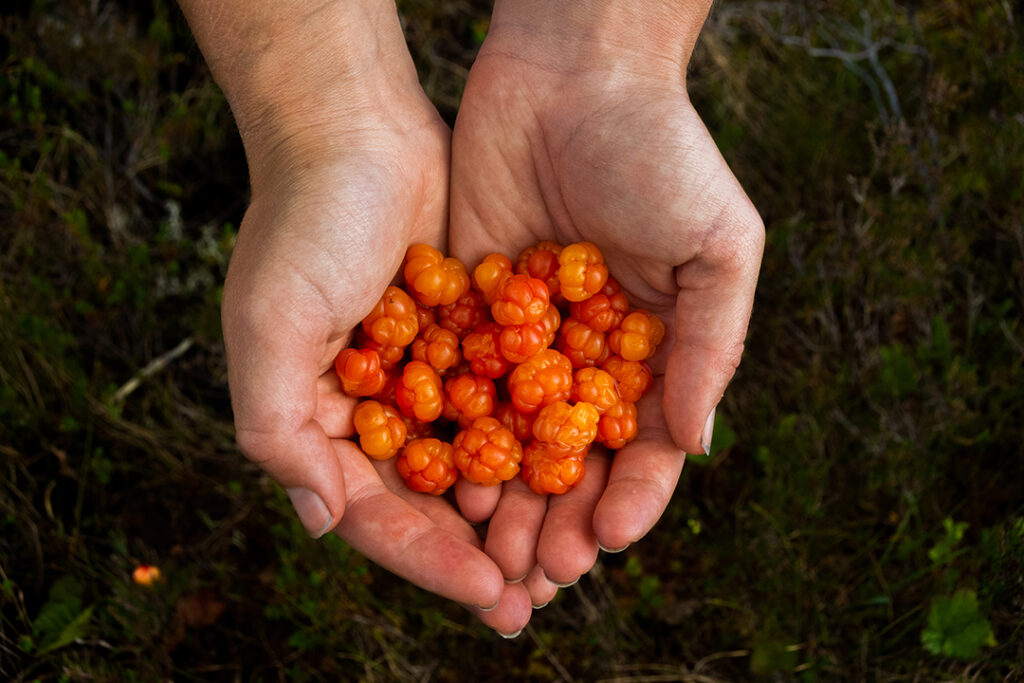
(861, 516)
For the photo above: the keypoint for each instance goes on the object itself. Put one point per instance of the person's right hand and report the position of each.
(349, 166)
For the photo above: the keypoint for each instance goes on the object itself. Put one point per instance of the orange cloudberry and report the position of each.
(432, 278)
(419, 393)
(427, 466)
(487, 452)
(582, 271)
(394, 321)
(381, 429)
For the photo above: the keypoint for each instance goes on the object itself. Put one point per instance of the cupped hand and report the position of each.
(332, 214)
(617, 156)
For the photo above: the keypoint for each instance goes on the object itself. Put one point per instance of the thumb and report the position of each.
(711, 316)
(274, 397)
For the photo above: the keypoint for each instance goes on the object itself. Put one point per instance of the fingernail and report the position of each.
(311, 509)
(612, 550)
(709, 429)
(509, 636)
(519, 580)
(487, 609)
(542, 606)
(566, 585)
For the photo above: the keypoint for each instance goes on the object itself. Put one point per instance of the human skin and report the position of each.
(576, 125)
(348, 166)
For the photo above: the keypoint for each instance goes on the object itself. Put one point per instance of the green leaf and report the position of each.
(943, 550)
(61, 620)
(72, 632)
(956, 628)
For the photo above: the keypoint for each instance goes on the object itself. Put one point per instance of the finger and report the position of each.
(334, 409)
(513, 611)
(514, 529)
(541, 590)
(711, 316)
(476, 502)
(642, 479)
(273, 371)
(567, 547)
(400, 538)
(437, 508)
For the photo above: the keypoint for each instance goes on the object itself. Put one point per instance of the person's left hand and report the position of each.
(611, 153)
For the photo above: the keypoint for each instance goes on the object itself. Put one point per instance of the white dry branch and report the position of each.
(152, 367)
(857, 48)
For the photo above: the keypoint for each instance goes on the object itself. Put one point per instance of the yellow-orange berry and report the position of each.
(360, 372)
(632, 378)
(394, 321)
(617, 425)
(468, 397)
(487, 452)
(490, 274)
(638, 336)
(146, 575)
(433, 279)
(570, 426)
(582, 271)
(381, 429)
(548, 468)
(427, 466)
(437, 347)
(541, 379)
(419, 393)
(595, 386)
(519, 299)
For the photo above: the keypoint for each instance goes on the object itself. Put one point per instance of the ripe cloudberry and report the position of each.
(394, 321)
(601, 312)
(391, 357)
(487, 452)
(582, 271)
(570, 426)
(464, 315)
(541, 261)
(519, 342)
(595, 386)
(432, 278)
(381, 429)
(582, 345)
(416, 429)
(427, 466)
(490, 274)
(520, 299)
(633, 378)
(519, 423)
(419, 393)
(617, 425)
(638, 336)
(540, 380)
(360, 372)
(468, 397)
(425, 316)
(481, 348)
(548, 468)
(437, 347)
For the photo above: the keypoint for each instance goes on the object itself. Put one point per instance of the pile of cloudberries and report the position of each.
(518, 371)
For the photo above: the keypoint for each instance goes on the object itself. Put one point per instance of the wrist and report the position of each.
(615, 37)
(307, 81)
